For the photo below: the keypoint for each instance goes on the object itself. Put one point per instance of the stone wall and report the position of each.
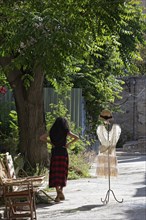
(132, 117)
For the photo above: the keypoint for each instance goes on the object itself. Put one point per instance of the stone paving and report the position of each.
(83, 196)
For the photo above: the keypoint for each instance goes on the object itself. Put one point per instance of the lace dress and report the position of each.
(108, 142)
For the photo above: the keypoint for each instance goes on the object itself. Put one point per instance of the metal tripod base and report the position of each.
(106, 200)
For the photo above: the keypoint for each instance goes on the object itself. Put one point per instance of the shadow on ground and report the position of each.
(141, 192)
(138, 213)
(83, 208)
(125, 159)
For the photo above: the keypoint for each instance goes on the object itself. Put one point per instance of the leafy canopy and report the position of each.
(86, 43)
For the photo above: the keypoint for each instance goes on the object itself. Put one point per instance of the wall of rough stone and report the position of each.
(132, 117)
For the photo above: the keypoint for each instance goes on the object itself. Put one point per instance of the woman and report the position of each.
(59, 155)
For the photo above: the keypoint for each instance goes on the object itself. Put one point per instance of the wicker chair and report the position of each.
(18, 193)
(38, 181)
(18, 196)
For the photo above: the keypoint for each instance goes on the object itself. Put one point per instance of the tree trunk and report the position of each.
(30, 110)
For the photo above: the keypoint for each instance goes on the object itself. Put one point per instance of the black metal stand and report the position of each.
(106, 200)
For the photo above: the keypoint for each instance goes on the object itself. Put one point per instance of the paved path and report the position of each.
(83, 196)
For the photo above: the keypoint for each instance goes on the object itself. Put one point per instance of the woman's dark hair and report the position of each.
(59, 131)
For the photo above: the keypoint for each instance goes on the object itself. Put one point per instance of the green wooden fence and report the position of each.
(74, 104)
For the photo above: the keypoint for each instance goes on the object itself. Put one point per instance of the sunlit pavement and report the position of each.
(84, 197)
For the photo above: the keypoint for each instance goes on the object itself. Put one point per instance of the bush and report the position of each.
(78, 166)
(9, 133)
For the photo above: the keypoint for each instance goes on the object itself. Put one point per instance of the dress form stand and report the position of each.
(106, 200)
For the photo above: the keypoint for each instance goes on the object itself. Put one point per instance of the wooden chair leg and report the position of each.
(17, 201)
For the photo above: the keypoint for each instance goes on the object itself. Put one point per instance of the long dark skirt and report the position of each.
(58, 167)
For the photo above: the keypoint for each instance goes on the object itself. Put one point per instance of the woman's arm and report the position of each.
(74, 138)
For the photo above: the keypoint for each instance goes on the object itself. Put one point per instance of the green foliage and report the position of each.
(78, 167)
(6, 132)
(61, 34)
(27, 79)
(57, 110)
(4, 117)
(10, 138)
(141, 62)
(3, 80)
(13, 121)
(112, 54)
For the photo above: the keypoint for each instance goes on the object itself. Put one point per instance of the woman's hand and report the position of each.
(44, 137)
(74, 136)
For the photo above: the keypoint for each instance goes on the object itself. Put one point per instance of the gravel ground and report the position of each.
(83, 196)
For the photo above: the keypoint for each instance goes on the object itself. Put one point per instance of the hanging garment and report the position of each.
(107, 150)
